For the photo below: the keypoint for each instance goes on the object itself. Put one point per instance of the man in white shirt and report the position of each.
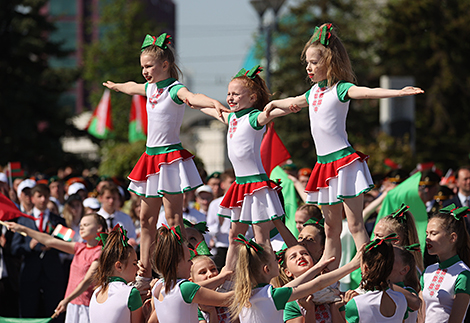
(108, 196)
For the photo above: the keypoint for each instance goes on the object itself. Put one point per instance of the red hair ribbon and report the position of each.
(176, 231)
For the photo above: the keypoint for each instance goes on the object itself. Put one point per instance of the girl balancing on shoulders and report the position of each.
(341, 175)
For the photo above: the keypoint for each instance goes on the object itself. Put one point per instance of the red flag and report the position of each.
(273, 151)
(138, 119)
(9, 211)
(390, 163)
(100, 124)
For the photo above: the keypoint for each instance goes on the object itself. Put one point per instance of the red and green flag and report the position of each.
(273, 151)
(138, 119)
(100, 124)
(63, 233)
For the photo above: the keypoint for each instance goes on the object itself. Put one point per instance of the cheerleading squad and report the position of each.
(260, 282)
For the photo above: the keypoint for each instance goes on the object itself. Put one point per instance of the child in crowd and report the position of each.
(446, 285)
(73, 213)
(82, 268)
(341, 174)
(380, 303)
(255, 300)
(113, 300)
(166, 169)
(175, 298)
(42, 273)
(294, 262)
(252, 198)
(403, 224)
(203, 269)
(306, 212)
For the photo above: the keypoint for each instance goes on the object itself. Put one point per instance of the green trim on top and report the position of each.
(146, 85)
(165, 83)
(323, 83)
(449, 262)
(251, 179)
(117, 279)
(241, 113)
(334, 156)
(152, 151)
(174, 93)
(342, 89)
(253, 118)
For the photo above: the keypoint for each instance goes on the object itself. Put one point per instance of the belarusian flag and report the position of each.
(101, 125)
(138, 119)
(63, 233)
(273, 151)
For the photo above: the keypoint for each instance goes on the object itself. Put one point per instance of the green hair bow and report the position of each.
(200, 226)
(250, 73)
(280, 256)
(312, 221)
(413, 247)
(400, 214)
(250, 244)
(176, 231)
(323, 34)
(456, 212)
(162, 41)
(377, 242)
(103, 236)
(201, 249)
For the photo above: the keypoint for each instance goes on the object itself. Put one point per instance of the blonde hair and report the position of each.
(334, 56)
(258, 87)
(248, 272)
(162, 55)
(198, 259)
(407, 232)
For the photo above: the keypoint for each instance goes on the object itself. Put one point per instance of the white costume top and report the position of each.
(175, 306)
(340, 171)
(267, 305)
(294, 310)
(252, 186)
(440, 282)
(366, 307)
(165, 116)
(122, 300)
(165, 167)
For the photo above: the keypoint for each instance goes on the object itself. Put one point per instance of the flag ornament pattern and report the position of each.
(100, 125)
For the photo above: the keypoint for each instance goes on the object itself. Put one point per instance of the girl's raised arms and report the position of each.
(131, 88)
(362, 92)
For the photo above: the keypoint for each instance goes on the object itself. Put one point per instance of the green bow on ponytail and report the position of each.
(176, 231)
(200, 226)
(162, 41)
(280, 256)
(250, 244)
(201, 249)
(103, 236)
(314, 222)
(456, 212)
(323, 34)
(413, 247)
(250, 73)
(377, 242)
(400, 214)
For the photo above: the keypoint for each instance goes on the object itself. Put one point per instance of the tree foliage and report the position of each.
(31, 121)
(116, 56)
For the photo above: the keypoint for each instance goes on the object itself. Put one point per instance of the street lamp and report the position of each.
(261, 6)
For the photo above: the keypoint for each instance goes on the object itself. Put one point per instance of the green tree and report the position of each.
(116, 56)
(430, 40)
(31, 121)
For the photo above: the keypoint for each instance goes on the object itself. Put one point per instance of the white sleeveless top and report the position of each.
(173, 308)
(165, 116)
(263, 308)
(368, 307)
(327, 120)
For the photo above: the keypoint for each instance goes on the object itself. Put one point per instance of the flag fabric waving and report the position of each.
(9, 211)
(273, 151)
(138, 119)
(100, 124)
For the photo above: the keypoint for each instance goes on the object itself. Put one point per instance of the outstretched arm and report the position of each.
(44, 238)
(362, 92)
(81, 287)
(131, 88)
(293, 104)
(264, 117)
(203, 103)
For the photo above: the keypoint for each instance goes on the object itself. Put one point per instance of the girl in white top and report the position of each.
(175, 298)
(165, 170)
(113, 300)
(379, 303)
(255, 300)
(253, 197)
(446, 285)
(341, 175)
